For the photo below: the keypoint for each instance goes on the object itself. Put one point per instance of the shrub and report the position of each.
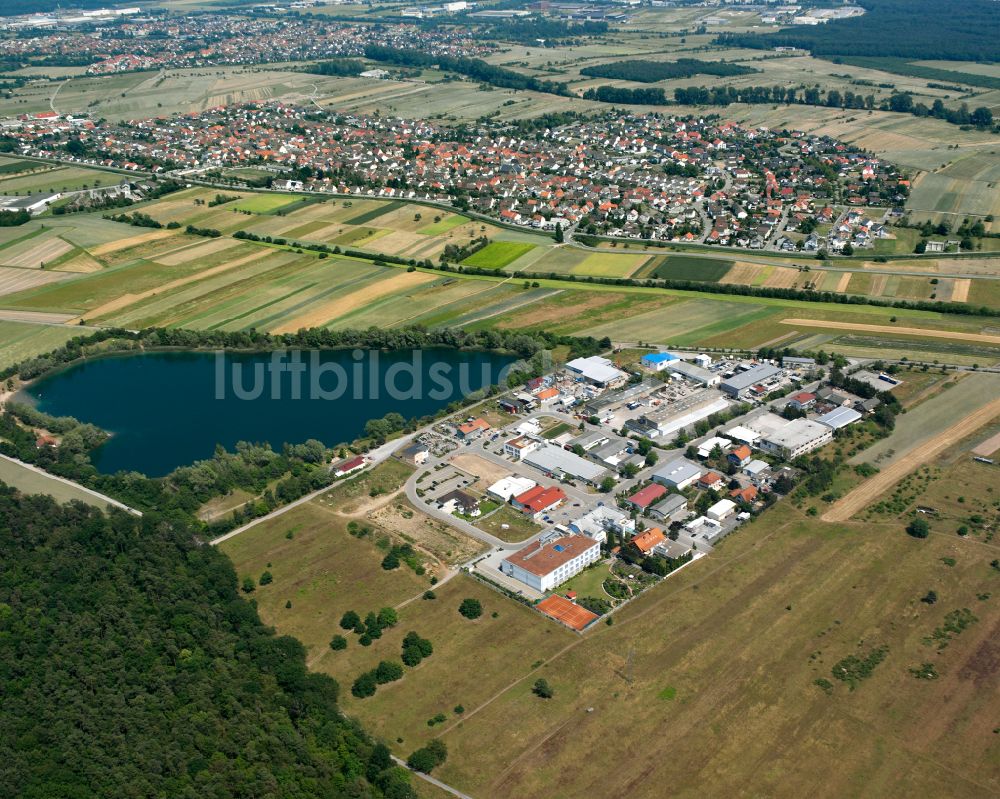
(388, 671)
(387, 617)
(542, 688)
(338, 642)
(918, 528)
(390, 561)
(350, 620)
(365, 685)
(428, 757)
(429, 595)
(266, 578)
(471, 608)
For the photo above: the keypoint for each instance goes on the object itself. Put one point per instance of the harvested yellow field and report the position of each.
(879, 283)
(326, 312)
(982, 338)
(81, 262)
(193, 252)
(128, 299)
(960, 289)
(742, 273)
(36, 252)
(842, 282)
(394, 242)
(782, 278)
(131, 241)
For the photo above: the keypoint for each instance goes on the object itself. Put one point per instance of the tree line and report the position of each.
(654, 71)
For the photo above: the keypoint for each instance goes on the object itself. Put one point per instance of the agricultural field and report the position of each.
(22, 340)
(498, 254)
(55, 179)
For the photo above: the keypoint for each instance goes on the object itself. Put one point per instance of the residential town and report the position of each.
(621, 175)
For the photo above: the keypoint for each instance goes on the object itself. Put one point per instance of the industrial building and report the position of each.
(796, 438)
(543, 567)
(839, 417)
(679, 474)
(658, 361)
(563, 463)
(739, 385)
(597, 370)
(690, 371)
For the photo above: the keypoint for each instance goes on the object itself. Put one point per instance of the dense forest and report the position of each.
(132, 667)
(13, 8)
(653, 71)
(922, 29)
(530, 30)
(340, 67)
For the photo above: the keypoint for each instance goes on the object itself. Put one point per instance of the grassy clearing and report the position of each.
(322, 570)
(455, 674)
(31, 482)
(497, 254)
(739, 640)
(518, 526)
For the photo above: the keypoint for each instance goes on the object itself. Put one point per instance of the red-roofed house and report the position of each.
(712, 481)
(748, 494)
(646, 540)
(740, 456)
(350, 465)
(803, 400)
(473, 429)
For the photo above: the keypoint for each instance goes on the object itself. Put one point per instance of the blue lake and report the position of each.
(169, 409)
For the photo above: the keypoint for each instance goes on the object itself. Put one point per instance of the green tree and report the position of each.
(248, 585)
(350, 620)
(388, 671)
(471, 608)
(364, 686)
(918, 528)
(266, 578)
(338, 642)
(542, 688)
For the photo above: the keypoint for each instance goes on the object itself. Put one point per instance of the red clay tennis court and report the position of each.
(565, 612)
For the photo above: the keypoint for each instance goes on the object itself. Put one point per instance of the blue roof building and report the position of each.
(657, 361)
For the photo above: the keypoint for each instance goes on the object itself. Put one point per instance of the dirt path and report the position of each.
(876, 486)
(329, 311)
(903, 331)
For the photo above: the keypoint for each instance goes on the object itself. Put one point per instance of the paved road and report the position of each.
(375, 456)
(432, 780)
(64, 481)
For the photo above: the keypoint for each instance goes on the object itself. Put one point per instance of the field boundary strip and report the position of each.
(983, 338)
(876, 486)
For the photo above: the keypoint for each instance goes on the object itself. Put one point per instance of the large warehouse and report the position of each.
(740, 384)
(545, 567)
(560, 462)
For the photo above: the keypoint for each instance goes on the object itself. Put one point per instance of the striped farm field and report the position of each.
(604, 264)
(677, 323)
(690, 267)
(13, 280)
(374, 213)
(497, 254)
(36, 251)
(264, 203)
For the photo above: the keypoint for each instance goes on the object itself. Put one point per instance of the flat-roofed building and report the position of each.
(597, 370)
(563, 463)
(543, 567)
(796, 438)
(839, 417)
(505, 489)
(671, 506)
(693, 372)
(739, 385)
(678, 473)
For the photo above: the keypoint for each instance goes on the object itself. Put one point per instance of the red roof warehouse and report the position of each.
(647, 496)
